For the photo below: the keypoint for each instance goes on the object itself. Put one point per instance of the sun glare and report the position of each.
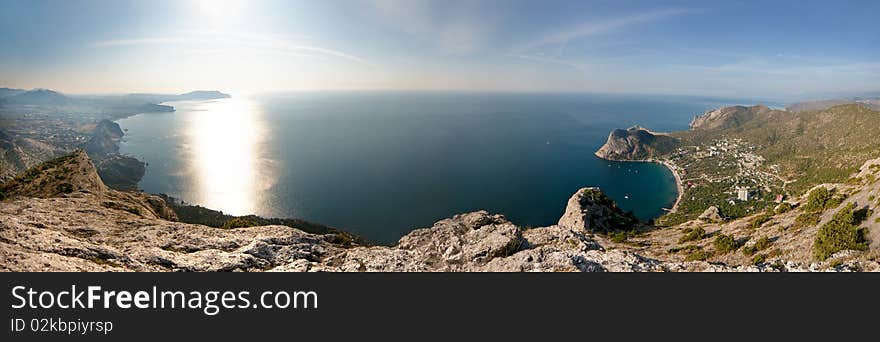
(225, 139)
(217, 13)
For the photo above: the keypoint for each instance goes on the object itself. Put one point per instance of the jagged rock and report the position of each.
(17, 154)
(634, 143)
(72, 228)
(450, 245)
(121, 172)
(591, 210)
(59, 176)
(105, 139)
(870, 168)
(712, 214)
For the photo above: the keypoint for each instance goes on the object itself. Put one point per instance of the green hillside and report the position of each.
(771, 153)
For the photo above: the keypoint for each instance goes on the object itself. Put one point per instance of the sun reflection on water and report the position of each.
(225, 138)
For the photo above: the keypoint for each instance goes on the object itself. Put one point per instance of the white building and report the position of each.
(742, 193)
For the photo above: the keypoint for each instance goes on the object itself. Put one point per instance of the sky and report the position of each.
(770, 49)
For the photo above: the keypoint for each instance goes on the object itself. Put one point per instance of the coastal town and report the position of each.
(727, 173)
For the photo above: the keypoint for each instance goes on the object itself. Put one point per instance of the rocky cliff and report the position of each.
(92, 228)
(635, 143)
(105, 139)
(18, 154)
(728, 117)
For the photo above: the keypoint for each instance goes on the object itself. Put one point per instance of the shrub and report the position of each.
(835, 201)
(871, 198)
(841, 233)
(760, 220)
(817, 199)
(749, 250)
(784, 207)
(759, 259)
(808, 219)
(692, 234)
(134, 210)
(688, 248)
(65, 188)
(725, 243)
(619, 237)
(763, 243)
(698, 255)
(864, 214)
(239, 222)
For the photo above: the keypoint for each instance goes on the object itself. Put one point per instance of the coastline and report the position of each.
(671, 167)
(678, 184)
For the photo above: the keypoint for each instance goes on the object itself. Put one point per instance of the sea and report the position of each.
(380, 164)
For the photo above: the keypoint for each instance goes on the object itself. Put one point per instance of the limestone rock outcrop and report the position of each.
(712, 214)
(635, 143)
(63, 175)
(591, 210)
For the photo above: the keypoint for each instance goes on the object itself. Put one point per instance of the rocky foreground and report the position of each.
(70, 221)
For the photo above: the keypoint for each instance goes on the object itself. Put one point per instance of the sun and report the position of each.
(217, 13)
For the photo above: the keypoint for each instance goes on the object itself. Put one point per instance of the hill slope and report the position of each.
(768, 152)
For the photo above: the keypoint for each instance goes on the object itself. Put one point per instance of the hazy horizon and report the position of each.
(779, 50)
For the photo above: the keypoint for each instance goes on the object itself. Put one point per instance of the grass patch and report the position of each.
(619, 237)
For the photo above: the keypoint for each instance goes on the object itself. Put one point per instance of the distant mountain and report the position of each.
(872, 102)
(45, 101)
(40, 97)
(198, 95)
(203, 95)
(4, 92)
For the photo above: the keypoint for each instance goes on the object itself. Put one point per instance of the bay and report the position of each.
(379, 164)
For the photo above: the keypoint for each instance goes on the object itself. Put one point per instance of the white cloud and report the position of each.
(452, 27)
(564, 36)
(235, 43)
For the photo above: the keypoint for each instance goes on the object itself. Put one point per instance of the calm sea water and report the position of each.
(382, 164)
